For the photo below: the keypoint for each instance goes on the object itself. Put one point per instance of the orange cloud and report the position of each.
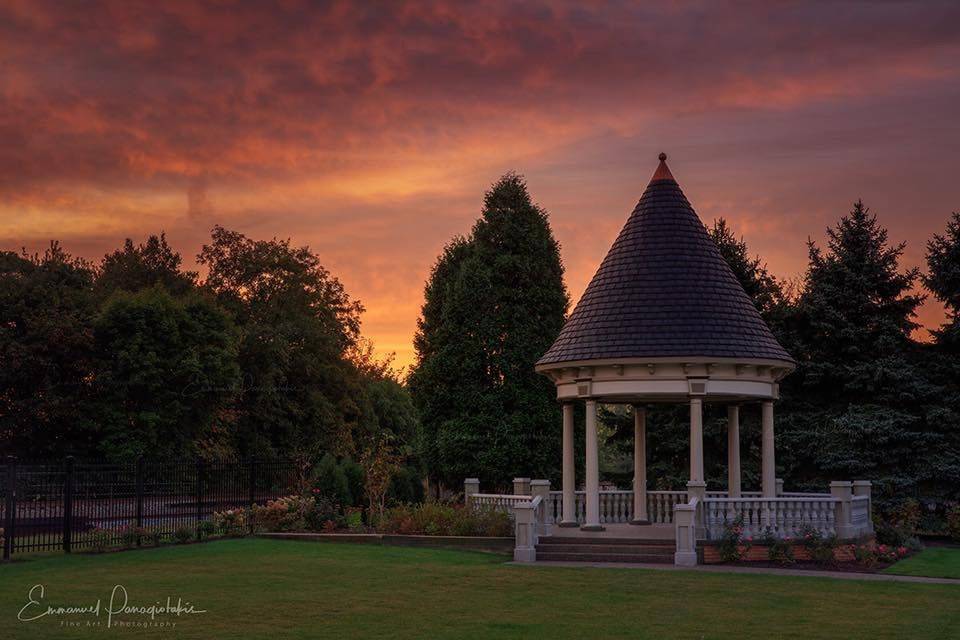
(370, 131)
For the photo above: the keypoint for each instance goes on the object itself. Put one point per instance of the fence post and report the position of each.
(68, 505)
(139, 482)
(199, 496)
(11, 505)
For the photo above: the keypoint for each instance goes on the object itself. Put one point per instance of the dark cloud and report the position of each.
(310, 113)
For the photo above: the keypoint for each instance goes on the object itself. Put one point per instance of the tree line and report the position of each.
(137, 356)
(867, 400)
(263, 356)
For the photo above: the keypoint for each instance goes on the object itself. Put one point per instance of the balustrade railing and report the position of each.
(616, 506)
(496, 501)
(784, 516)
(660, 505)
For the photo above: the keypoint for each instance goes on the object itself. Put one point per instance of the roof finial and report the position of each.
(662, 172)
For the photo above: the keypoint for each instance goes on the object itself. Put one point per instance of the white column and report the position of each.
(569, 470)
(593, 471)
(696, 439)
(769, 467)
(640, 466)
(733, 451)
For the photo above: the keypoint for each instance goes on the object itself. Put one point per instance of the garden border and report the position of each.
(489, 544)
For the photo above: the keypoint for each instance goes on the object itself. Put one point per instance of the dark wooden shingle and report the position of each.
(664, 290)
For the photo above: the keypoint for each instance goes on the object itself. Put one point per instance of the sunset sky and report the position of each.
(370, 131)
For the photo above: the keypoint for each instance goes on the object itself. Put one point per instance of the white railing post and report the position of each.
(684, 520)
(471, 486)
(865, 488)
(779, 485)
(541, 489)
(521, 486)
(843, 493)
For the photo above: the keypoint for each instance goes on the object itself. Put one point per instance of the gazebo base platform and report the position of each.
(621, 531)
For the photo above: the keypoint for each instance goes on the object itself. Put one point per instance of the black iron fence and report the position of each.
(75, 505)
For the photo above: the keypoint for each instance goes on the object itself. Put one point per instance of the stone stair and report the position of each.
(628, 550)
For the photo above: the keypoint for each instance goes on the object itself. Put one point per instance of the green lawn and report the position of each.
(935, 562)
(280, 589)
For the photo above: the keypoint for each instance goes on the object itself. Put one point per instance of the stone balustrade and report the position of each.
(496, 501)
(783, 517)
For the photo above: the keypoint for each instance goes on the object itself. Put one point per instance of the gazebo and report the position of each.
(664, 320)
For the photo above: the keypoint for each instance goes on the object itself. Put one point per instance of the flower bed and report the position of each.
(811, 550)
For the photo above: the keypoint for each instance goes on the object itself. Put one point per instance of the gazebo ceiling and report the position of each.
(664, 292)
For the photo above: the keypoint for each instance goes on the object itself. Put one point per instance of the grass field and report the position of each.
(278, 589)
(935, 562)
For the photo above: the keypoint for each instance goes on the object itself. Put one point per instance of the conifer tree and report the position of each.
(943, 280)
(860, 404)
(493, 305)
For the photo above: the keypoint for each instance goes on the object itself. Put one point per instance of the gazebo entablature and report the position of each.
(668, 380)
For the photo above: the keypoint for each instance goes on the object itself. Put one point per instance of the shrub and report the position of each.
(779, 550)
(330, 481)
(183, 534)
(2, 539)
(283, 514)
(206, 529)
(153, 535)
(354, 519)
(438, 519)
(320, 511)
(405, 487)
(890, 534)
(906, 516)
(869, 555)
(355, 477)
(820, 547)
(953, 523)
(492, 522)
(232, 522)
(733, 546)
(130, 535)
(101, 539)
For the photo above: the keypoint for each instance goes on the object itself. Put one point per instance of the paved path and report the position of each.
(839, 575)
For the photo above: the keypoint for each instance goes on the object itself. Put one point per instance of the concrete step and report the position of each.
(620, 549)
(547, 556)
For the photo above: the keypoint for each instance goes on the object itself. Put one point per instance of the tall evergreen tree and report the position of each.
(860, 405)
(943, 279)
(493, 305)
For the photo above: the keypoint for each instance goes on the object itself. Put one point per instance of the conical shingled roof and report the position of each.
(664, 290)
